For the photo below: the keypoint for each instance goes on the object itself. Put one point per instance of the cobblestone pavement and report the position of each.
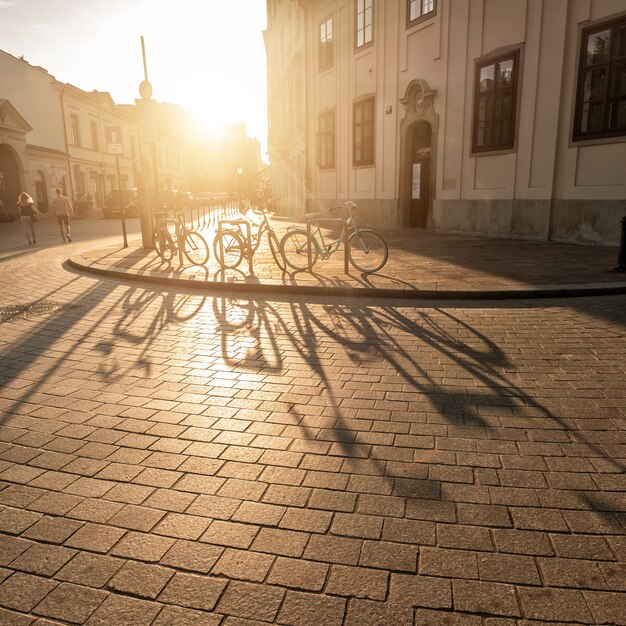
(173, 458)
(420, 264)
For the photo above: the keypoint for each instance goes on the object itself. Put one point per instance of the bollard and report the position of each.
(621, 258)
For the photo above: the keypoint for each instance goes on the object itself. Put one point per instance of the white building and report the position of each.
(497, 117)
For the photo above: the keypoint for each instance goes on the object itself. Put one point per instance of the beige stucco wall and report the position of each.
(546, 187)
(31, 91)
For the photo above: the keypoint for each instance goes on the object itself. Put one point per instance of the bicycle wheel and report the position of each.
(195, 248)
(275, 250)
(295, 250)
(162, 244)
(233, 249)
(367, 250)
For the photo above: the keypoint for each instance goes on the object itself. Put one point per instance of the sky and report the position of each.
(206, 55)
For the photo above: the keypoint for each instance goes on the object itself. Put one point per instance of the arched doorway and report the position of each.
(41, 192)
(10, 183)
(418, 141)
(421, 152)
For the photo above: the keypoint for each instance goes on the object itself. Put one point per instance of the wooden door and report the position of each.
(420, 175)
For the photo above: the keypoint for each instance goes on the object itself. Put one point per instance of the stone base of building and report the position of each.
(596, 222)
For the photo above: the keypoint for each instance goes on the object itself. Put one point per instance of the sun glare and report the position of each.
(214, 61)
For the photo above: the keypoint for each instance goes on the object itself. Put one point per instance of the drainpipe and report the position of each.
(67, 148)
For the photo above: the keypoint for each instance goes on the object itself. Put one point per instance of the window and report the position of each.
(326, 141)
(75, 135)
(418, 10)
(363, 132)
(601, 96)
(495, 96)
(364, 28)
(94, 136)
(326, 48)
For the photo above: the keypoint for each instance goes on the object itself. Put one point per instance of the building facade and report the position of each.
(285, 40)
(54, 134)
(504, 118)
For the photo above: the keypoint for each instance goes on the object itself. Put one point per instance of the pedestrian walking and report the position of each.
(28, 216)
(62, 208)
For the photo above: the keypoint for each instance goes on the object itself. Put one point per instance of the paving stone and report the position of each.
(571, 573)
(357, 582)
(43, 559)
(92, 570)
(389, 556)
(140, 579)
(214, 507)
(95, 538)
(193, 556)
(243, 565)
(522, 542)
(298, 573)
(11, 548)
(250, 600)
(22, 592)
(280, 542)
(182, 526)
(341, 550)
(193, 591)
(409, 531)
(98, 511)
(230, 534)
(71, 603)
(420, 591)
(142, 547)
(356, 525)
(139, 518)
(118, 609)
(52, 529)
(11, 618)
(480, 597)
(306, 520)
(554, 605)
(178, 616)
(16, 521)
(302, 609)
(508, 569)
(373, 613)
(55, 503)
(449, 563)
(607, 608)
(258, 513)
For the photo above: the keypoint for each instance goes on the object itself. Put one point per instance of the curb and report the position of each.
(505, 293)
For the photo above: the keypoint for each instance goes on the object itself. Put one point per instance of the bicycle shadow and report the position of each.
(406, 350)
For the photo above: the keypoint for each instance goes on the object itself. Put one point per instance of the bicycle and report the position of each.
(166, 242)
(235, 244)
(366, 250)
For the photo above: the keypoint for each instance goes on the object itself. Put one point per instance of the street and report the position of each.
(170, 456)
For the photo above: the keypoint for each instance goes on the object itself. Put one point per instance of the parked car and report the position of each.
(175, 200)
(118, 198)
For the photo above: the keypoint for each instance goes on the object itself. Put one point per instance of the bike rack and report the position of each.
(329, 220)
(248, 235)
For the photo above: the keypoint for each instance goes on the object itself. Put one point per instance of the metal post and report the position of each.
(621, 257)
(122, 208)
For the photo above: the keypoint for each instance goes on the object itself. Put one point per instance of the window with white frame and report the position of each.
(364, 23)
(418, 10)
(326, 51)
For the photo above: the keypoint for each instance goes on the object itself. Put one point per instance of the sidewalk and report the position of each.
(421, 265)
